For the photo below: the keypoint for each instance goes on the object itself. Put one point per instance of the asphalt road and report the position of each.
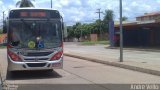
(77, 75)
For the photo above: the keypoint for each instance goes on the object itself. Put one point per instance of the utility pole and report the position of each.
(121, 33)
(51, 3)
(99, 13)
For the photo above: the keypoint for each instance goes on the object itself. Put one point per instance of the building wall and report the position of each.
(144, 33)
(148, 18)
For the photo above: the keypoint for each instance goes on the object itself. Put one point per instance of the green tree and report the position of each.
(70, 32)
(76, 25)
(108, 16)
(1, 31)
(77, 30)
(96, 27)
(24, 3)
(85, 29)
(124, 18)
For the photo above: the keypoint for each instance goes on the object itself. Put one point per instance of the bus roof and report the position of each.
(48, 13)
(32, 9)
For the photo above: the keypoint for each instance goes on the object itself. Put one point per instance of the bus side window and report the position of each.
(15, 37)
(54, 30)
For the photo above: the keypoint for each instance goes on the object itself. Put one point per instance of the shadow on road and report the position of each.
(22, 75)
(65, 87)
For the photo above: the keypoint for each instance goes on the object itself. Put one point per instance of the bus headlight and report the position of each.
(14, 56)
(57, 56)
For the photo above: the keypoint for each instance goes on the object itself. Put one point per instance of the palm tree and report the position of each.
(25, 3)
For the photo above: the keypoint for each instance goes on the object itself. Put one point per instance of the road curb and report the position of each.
(116, 64)
(136, 49)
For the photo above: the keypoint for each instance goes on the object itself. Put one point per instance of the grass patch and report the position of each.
(1, 47)
(0, 35)
(88, 43)
(94, 43)
(103, 42)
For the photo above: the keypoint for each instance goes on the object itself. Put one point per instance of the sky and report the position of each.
(84, 10)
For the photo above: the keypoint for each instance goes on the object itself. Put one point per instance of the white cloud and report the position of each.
(64, 2)
(84, 10)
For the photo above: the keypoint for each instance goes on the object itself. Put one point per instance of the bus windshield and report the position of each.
(35, 34)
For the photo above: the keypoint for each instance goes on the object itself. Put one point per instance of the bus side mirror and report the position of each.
(63, 26)
(5, 26)
(62, 23)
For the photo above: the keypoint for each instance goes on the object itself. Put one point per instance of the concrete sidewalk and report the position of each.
(143, 61)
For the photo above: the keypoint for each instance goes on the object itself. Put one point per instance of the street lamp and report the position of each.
(121, 33)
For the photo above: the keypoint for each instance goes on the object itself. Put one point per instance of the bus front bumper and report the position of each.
(39, 65)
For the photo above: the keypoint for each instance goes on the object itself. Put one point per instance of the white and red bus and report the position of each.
(34, 39)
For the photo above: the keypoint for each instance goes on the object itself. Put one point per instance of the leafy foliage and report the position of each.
(124, 18)
(108, 16)
(80, 29)
(25, 3)
(1, 31)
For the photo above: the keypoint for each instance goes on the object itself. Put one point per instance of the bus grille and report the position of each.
(32, 59)
(36, 64)
(38, 53)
